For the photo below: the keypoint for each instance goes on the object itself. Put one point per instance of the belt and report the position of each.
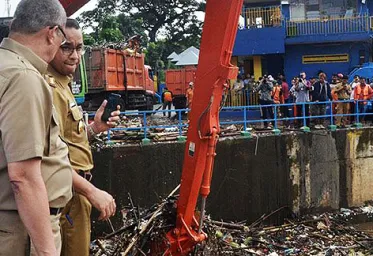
(85, 174)
(55, 211)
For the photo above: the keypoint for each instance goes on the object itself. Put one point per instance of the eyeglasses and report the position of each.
(67, 50)
(62, 32)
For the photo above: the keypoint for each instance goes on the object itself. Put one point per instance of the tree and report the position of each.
(110, 30)
(158, 14)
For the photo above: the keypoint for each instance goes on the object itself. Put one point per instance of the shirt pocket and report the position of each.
(54, 133)
(77, 125)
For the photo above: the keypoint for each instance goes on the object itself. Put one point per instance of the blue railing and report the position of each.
(262, 17)
(328, 26)
(246, 121)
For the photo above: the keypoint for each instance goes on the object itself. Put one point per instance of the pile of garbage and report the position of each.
(143, 231)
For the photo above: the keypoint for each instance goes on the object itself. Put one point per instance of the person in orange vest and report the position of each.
(362, 93)
(189, 96)
(277, 94)
(167, 101)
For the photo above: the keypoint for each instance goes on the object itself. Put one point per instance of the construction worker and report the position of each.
(167, 101)
(189, 96)
(362, 93)
(75, 219)
(35, 173)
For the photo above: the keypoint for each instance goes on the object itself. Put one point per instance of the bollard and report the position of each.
(181, 138)
(145, 141)
(276, 131)
(332, 127)
(305, 129)
(246, 134)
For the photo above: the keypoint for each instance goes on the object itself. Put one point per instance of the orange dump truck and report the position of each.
(122, 72)
(177, 81)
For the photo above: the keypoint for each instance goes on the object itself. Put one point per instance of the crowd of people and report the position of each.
(306, 100)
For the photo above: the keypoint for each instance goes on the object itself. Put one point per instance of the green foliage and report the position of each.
(130, 27)
(110, 30)
(158, 14)
(88, 39)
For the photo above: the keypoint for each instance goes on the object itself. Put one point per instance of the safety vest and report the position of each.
(276, 95)
(168, 96)
(365, 92)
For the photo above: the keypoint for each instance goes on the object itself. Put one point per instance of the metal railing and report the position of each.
(355, 116)
(327, 26)
(261, 17)
(241, 98)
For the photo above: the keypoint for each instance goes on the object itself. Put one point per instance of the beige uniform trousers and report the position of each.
(14, 239)
(55, 221)
(76, 226)
(342, 108)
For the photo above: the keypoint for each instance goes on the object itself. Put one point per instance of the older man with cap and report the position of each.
(35, 173)
(343, 92)
(32, 156)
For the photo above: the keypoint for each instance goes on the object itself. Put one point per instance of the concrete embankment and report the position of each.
(306, 172)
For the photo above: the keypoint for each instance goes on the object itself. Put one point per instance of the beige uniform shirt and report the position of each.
(72, 125)
(342, 92)
(29, 125)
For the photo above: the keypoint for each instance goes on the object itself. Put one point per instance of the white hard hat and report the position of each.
(191, 83)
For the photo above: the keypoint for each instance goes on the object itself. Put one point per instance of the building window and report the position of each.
(362, 57)
(316, 9)
(327, 58)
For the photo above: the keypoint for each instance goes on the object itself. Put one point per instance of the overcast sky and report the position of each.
(13, 4)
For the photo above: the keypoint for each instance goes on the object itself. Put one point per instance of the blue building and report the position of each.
(304, 35)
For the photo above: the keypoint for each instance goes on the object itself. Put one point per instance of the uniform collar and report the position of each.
(61, 79)
(25, 52)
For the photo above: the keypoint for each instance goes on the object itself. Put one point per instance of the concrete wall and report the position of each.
(306, 172)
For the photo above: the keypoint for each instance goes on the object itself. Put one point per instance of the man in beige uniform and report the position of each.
(75, 219)
(34, 166)
(33, 160)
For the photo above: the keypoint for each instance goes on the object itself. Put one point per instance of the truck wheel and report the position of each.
(149, 103)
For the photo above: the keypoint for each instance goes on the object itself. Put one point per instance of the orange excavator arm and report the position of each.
(214, 68)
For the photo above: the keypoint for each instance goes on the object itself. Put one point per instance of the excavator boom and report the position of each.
(214, 68)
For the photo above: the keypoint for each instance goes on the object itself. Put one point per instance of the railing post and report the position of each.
(305, 128)
(332, 126)
(276, 131)
(246, 133)
(108, 137)
(145, 140)
(357, 122)
(180, 125)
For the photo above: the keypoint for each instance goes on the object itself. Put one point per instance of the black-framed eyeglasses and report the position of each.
(67, 50)
(62, 32)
